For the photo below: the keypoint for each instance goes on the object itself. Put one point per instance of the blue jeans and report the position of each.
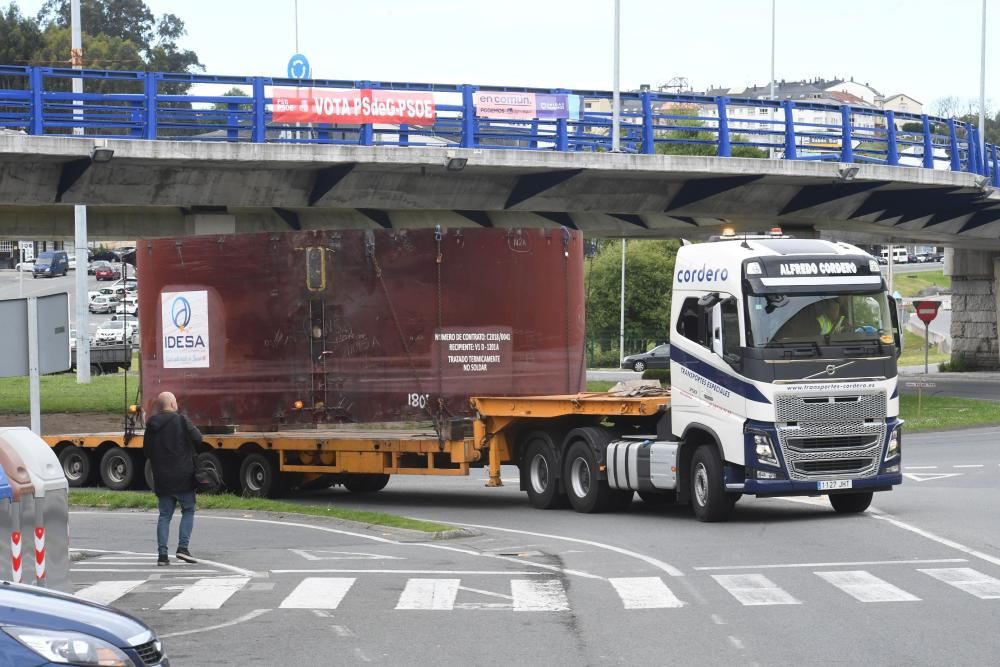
(167, 505)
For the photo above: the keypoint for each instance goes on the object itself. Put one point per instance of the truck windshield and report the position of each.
(778, 320)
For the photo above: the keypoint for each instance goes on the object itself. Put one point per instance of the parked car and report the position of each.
(93, 266)
(103, 304)
(130, 306)
(25, 266)
(658, 357)
(45, 627)
(51, 263)
(116, 331)
(107, 272)
(71, 262)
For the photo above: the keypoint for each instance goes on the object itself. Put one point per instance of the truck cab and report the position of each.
(783, 373)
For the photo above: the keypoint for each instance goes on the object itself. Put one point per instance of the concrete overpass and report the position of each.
(167, 188)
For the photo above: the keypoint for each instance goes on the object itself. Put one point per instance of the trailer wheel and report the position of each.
(369, 483)
(259, 477)
(708, 497)
(95, 369)
(540, 468)
(118, 469)
(75, 462)
(216, 461)
(851, 503)
(148, 474)
(587, 493)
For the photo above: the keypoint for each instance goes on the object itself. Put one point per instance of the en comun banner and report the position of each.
(526, 106)
(322, 105)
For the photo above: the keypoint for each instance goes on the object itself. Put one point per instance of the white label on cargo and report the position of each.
(185, 339)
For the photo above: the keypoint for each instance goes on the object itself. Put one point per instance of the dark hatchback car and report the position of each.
(658, 357)
(39, 627)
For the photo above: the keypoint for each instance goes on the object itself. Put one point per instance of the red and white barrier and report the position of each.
(15, 556)
(39, 555)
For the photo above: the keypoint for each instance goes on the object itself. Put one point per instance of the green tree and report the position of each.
(649, 269)
(688, 135)
(20, 37)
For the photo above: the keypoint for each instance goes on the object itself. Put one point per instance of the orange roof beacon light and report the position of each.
(728, 231)
(297, 405)
(775, 231)
(133, 409)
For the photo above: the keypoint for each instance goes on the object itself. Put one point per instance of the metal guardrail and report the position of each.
(148, 105)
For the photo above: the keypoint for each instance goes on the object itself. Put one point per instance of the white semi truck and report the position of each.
(783, 376)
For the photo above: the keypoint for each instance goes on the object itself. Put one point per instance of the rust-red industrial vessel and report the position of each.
(359, 326)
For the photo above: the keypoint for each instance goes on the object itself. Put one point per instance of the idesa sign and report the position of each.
(322, 105)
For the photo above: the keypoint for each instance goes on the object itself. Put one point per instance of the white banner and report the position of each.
(185, 329)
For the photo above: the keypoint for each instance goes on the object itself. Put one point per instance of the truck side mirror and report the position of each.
(709, 300)
(894, 318)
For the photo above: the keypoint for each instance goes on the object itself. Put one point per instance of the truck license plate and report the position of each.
(834, 484)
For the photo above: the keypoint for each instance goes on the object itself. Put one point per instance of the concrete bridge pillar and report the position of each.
(209, 223)
(975, 304)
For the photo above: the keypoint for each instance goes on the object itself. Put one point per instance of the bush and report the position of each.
(661, 374)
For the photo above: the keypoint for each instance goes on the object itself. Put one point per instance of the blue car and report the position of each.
(41, 628)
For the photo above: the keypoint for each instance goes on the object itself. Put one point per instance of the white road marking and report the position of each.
(645, 593)
(206, 594)
(928, 476)
(735, 641)
(137, 570)
(538, 595)
(106, 592)
(223, 566)
(658, 564)
(970, 465)
(342, 631)
(228, 624)
(718, 620)
(833, 564)
(511, 572)
(936, 538)
(318, 593)
(754, 589)
(966, 579)
(921, 467)
(313, 554)
(429, 594)
(866, 587)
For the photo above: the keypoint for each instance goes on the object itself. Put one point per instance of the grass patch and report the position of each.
(945, 412)
(61, 393)
(909, 284)
(147, 501)
(913, 351)
(600, 385)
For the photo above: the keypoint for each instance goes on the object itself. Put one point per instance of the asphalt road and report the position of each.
(914, 581)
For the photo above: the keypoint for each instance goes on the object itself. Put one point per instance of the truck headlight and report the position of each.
(892, 449)
(764, 449)
(70, 648)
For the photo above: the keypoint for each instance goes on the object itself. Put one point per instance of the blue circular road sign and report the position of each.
(298, 67)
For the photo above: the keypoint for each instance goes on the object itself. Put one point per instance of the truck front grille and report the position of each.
(831, 437)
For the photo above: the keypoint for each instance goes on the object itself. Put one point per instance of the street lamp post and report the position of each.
(621, 322)
(982, 88)
(79, 215)
(616, 117)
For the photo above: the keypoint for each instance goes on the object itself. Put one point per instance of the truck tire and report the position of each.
(363, 483)
(95, 370)
(587, 493)
(76, 465)
(147, 471)
(708, 496)
(851, 503)
(217, 461)
(119, 469)
(540, 468)
(258, 476)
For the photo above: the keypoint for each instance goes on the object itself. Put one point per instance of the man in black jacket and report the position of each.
(169, 444)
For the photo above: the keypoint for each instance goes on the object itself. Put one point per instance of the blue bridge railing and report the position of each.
(197, 107)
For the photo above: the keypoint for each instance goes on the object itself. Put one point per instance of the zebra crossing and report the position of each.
(536, 594)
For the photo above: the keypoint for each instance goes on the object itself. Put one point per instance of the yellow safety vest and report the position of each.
(826, 325)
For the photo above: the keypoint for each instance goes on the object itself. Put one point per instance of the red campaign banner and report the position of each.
(322, 105)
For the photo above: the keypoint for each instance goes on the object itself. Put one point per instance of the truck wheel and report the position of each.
(540, 468)
(118, 469)
(586, 492)
(216, 461)
(851, 503)
(75, 462)
(369, 483)
(258, 476)
(95, 369)
(148, 474)
(708, 497)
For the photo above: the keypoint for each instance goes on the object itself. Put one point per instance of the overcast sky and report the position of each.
(928, 49)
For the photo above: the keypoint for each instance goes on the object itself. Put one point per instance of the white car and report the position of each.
(129, 306)
(116, 331)
(103, 304)
(25, 266)
(71, 262)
